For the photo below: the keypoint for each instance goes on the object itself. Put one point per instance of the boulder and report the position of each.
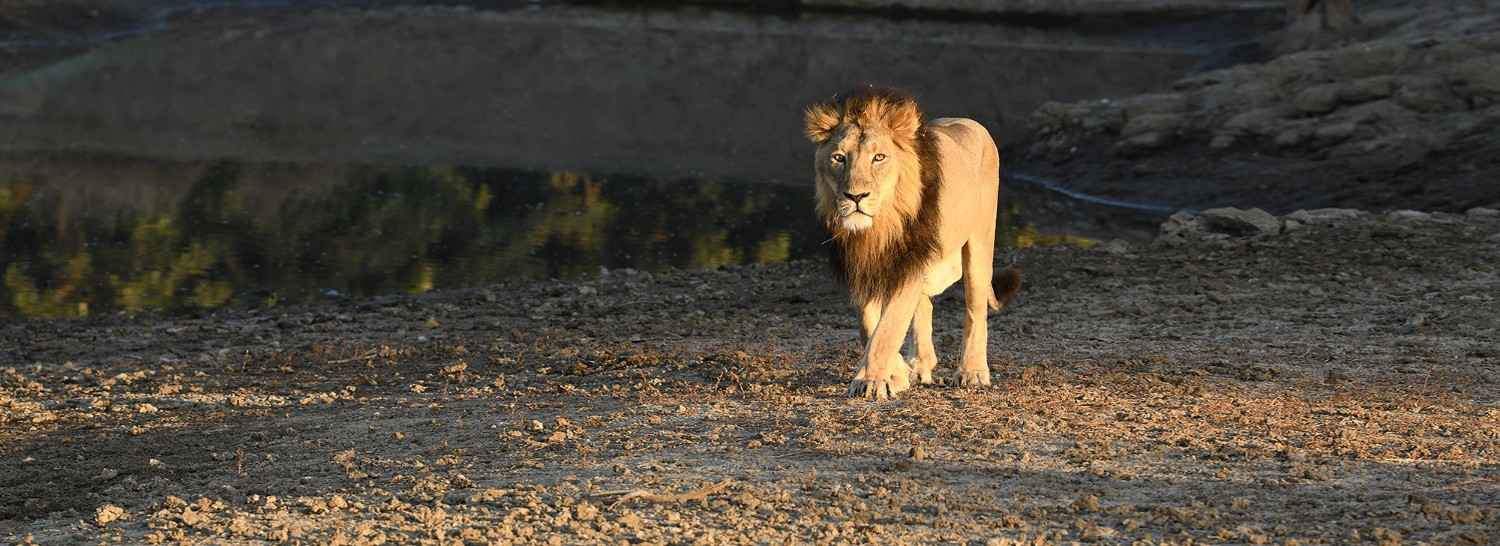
(1318, 99)
(1291, 137)
(1240, 222)
(1181, 227)
(1369, 59)
(1367, 89)
(1335, 132)
(1260, 121)
(1220, 225)
(1297, 70)
(1385, 111)
(1325, 217)
(1425, 94)
(1153, 123)
(1053, 116)
(1477, 77)
(1450, 51)
(1143, 141)
(1156, 103)
(1091, 117)
(1104, 118)
(1251, 94)
(1408, 216)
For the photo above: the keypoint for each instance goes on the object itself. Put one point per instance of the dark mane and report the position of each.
(879, 274)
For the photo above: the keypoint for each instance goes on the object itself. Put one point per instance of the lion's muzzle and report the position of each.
(858, 213)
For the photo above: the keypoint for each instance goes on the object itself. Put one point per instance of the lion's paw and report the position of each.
(883, 384)
(921, 373)
(974, 377)
(877, 389)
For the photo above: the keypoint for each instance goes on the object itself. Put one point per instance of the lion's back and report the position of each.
(969, 158)
(972, 139)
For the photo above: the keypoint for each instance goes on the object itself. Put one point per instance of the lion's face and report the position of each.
(865, 149)
(857, 170)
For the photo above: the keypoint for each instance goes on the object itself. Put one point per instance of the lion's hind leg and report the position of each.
(974, 368)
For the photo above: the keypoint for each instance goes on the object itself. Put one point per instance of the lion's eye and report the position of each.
(879, 157)
(838, 157)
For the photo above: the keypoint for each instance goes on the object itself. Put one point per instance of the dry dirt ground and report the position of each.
(1326, 385)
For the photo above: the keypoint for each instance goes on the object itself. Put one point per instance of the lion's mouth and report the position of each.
(857, 222)
(857, 210)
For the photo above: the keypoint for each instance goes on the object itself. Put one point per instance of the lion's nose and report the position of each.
(855, 197)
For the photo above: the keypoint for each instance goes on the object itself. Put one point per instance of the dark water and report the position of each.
(241, 157)
(227, 232)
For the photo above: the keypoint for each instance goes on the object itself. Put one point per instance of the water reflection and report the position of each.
(363, 230)
(84, 236)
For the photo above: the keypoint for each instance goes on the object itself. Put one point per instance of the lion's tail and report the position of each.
(1005, 286)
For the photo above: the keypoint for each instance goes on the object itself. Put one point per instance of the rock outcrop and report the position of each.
(1231, 227)
(1385, 103)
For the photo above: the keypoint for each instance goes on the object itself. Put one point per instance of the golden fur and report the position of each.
(909, 203)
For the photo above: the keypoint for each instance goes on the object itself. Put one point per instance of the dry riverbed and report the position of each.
(1335, 383)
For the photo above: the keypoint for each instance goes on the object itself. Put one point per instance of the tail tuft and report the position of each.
(1005, 286)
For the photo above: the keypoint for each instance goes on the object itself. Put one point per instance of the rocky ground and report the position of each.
(1324, 377)
(1403, 111)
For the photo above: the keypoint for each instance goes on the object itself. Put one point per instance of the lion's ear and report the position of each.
(903, 118)
(819, 120)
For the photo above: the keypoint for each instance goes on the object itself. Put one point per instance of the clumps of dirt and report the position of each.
(736, 369)
(107, 514)
(1408, 117)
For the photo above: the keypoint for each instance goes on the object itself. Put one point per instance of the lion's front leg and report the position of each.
(883, 372)
(869, 318)
(925, 361)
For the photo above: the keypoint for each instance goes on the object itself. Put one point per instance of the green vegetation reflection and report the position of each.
(374, 231)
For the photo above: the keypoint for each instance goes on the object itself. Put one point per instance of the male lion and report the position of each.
(911, 206)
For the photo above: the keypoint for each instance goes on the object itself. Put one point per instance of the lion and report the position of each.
(911, 207)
